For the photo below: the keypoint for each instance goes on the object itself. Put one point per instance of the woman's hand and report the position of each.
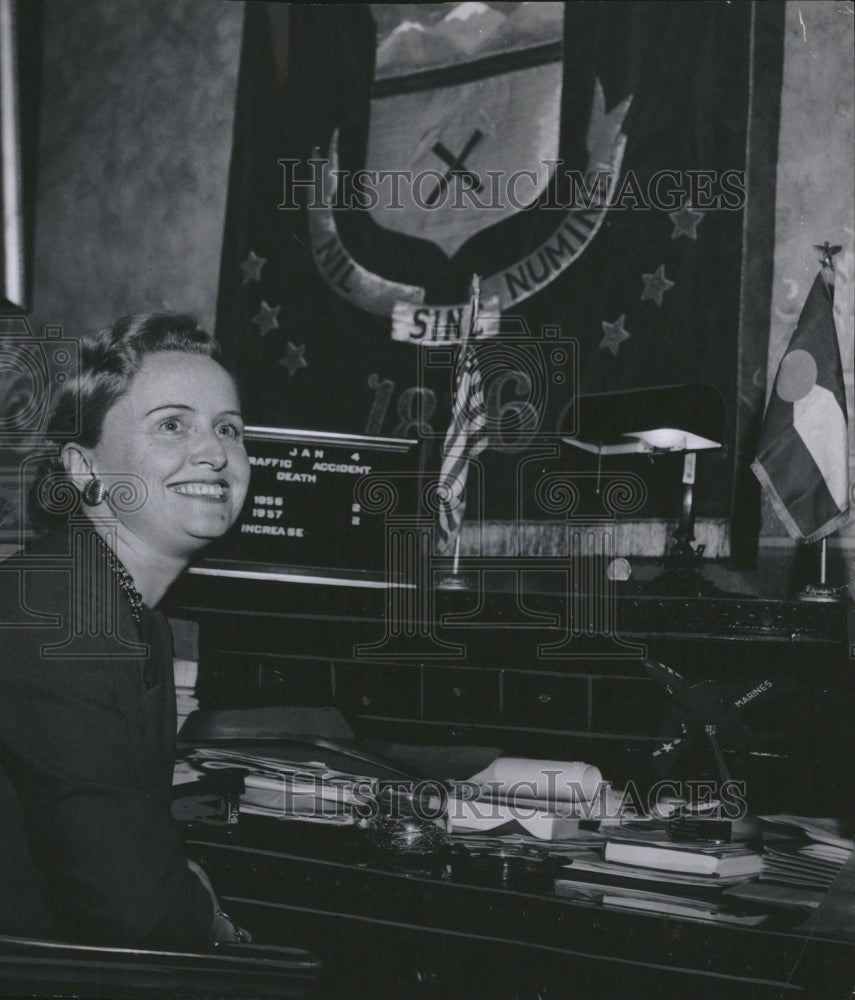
(223, 928)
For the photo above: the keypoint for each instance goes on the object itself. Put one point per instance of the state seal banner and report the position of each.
(588, 160)
(802, 456)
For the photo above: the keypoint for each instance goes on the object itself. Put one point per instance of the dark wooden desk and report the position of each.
(522, 662)
(392, 930)
(518, 663)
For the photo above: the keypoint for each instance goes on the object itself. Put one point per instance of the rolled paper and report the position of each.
(545, 780)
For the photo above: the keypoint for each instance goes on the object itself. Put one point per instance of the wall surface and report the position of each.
(815, 199)
(137, 109)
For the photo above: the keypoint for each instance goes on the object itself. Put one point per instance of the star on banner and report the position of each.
(686, 220)
(656, 285)
(614, 335)
(251, 268)
(293, 359)
(267, 318)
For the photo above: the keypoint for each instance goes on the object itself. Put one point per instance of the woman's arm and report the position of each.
(112, 855)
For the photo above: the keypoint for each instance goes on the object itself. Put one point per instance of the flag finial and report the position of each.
(827, 264)
(471, 313)
(828, 251)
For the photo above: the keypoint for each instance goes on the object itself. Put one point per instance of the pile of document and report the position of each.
(640, 868)
(813, 863)
(305, 790)
(798, 873)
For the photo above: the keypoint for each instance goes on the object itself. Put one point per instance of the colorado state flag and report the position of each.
(802, 454)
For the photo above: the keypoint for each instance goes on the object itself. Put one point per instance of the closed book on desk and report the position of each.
(596, 871)
(680, 859)
(681, 907)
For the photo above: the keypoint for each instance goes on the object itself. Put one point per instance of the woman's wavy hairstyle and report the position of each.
(109, 361)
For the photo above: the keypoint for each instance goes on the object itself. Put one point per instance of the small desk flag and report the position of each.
(802, 454)
(467, 433)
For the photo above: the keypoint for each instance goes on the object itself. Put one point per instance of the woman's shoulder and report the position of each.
(56, 542)
(58, 592)
(38, 577)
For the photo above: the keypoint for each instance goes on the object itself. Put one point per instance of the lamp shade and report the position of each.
(687, 417)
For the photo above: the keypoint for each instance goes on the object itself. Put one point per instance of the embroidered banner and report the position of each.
(587, 160)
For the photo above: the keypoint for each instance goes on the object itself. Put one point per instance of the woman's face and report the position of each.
(179, 429)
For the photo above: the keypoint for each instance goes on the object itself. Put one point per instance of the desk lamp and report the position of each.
(686, 418)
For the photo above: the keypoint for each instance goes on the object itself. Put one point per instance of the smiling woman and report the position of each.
(147, 465)
(175, 439)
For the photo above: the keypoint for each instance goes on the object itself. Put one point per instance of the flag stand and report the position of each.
(822, 592)
(456, 580)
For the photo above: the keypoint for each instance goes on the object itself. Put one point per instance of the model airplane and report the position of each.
(710, 710)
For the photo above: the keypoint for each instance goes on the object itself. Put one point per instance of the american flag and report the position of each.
(466, 438)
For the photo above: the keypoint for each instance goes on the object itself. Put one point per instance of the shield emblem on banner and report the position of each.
(465, 117)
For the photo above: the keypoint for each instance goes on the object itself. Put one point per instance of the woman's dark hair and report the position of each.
(109, 361)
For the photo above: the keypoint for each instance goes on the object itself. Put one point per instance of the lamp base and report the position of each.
(819, 593)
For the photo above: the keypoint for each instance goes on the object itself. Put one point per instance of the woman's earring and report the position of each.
(94, 492)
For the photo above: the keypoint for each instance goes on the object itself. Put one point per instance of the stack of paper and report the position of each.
(812, 866)
(641, 870)
(286, 789)
(813, 861)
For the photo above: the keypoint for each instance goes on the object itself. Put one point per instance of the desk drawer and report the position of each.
(377, 689)
(459, 694)
(545, 701)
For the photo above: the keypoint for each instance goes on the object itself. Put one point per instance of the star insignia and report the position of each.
(293, 359)
(251, 267)
(267, 318)
(656, 285)
(667, 747)
(614, 335)
(686, 220)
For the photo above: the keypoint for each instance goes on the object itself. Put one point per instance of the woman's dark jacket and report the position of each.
(88, 849)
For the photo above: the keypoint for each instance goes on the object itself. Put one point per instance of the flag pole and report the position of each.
(822, 593)
(475, 309)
